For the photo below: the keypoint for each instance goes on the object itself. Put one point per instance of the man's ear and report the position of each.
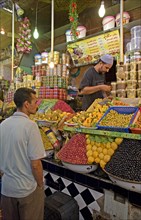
(26, 103)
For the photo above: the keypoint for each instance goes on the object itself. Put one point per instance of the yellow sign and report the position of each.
(89, 50)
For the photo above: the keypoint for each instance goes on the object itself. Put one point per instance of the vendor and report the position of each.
(92, 85)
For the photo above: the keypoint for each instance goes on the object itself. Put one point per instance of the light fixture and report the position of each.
(101, 10)
(36, 33)
(51, 65)
(2, 31)
(19, 10)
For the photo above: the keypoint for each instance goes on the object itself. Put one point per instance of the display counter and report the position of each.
(94, 192)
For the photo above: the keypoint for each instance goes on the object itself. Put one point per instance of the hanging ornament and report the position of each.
(23, 42)
(73, 17)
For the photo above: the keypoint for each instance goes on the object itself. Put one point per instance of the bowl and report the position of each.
(49, 153)
(80, 168)
(126, 184)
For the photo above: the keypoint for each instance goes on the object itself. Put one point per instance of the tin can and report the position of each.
(59, 69)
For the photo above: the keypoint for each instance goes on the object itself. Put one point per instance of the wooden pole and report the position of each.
(121, 32)
(12, 66)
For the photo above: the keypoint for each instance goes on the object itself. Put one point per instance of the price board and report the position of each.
(89, 50)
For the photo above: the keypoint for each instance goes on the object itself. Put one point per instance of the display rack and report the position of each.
(103, 132)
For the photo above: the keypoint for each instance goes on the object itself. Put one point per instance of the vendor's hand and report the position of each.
(105, 88)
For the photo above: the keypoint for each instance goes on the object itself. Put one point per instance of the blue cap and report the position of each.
(107, 58)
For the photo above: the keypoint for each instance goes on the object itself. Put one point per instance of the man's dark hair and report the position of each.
(21, 95)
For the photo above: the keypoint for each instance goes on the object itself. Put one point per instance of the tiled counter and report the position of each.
(93, 191)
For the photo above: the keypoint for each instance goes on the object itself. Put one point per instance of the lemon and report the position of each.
(101, 156)
(105, 151)
(106, 158)
(88, 141)
(97, 160)
(88, 147)
(98, 144)
(99, 149)
(87, 135)
(110, 152)
(92, 143)
(90, 159)
(102, 164)
(108, 145)
(89, 153)
(114, 145)
(95, 154)
(118, 141)
(94, 148)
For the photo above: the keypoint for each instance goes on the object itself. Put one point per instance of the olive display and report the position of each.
(115, 119)
(126, 162)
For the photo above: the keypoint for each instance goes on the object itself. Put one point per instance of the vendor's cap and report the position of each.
(107, 59)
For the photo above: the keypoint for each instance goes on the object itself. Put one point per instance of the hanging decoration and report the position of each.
(73, 17)
(23, 42)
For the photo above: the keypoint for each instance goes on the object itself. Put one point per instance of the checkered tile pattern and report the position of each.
(85, 197)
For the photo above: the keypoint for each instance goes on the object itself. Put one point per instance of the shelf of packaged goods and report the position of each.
(102, 132)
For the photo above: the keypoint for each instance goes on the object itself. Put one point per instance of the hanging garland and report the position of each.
(23, 42)
(73, 17)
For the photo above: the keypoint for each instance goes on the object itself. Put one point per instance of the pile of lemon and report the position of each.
(99, 152)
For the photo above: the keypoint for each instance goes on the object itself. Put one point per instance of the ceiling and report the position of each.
(61, 21)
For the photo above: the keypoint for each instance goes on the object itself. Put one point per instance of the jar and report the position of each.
(139, 93)
(131, 84)
(121, 93)
(37, 59)
(44, 56)
(131, 93)
(113, 84)
(139, 74)
(139, 84)
(127, 75)
(121, 85)
(113, 93)
(133, 75)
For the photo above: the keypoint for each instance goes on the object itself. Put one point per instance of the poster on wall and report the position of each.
(89, 50)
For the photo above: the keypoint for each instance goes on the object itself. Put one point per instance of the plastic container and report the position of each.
(120, 110)
(121, 93)
(108, 22)
(139, 74)
(81, 32)
(114, 86)
(113, 93)
(131, 84)
(136, 31)
(136, 43)
(126, 18)
(121, 85)
(61, 206)
(131, 93)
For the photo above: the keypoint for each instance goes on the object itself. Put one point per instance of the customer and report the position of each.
(21, 150)
(92, 85)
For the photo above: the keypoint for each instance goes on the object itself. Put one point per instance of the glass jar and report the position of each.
(131, 93)
(131, 84)
(121, 93)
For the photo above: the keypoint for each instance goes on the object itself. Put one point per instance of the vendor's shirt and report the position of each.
(20, 142)
(91, 78)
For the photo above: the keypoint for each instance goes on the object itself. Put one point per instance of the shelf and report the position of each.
(103, 132)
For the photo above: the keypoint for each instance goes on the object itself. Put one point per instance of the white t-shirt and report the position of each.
(20, 142)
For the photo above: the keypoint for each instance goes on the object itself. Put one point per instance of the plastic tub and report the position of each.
(131, 93)
(126, 18)
(81, 32)
(136, 31)
(136, 43)
(133, 75)
(131, 84)
(108, 22)
(121, 84)
(37, 59)
(139, 84)
(113, 93)
(139, 74)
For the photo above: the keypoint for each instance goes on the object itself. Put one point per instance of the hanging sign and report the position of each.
(89, 50)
